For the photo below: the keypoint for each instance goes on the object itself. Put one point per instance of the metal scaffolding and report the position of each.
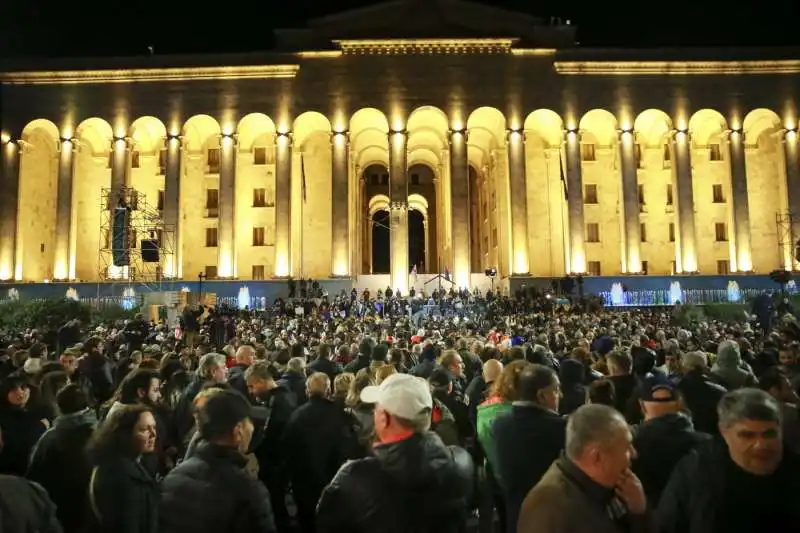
(145, 222)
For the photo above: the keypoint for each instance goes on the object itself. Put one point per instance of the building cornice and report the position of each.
(676, 68)
(425, 46)
(71, 77)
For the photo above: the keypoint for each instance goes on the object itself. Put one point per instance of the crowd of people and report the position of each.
(317, 417)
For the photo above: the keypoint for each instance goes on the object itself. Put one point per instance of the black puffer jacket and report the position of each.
(416, 485)
(210, 492)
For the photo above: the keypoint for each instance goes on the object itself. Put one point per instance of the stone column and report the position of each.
(741, 209)
(575, 202)
(120, 148)
(9, 181)
(682, 159)
(520, 263)
(340, 195)
(62, 269)
(172, 195)
(459, 206)
(630, 202)
(283, 204)
(226, 232)
(398, 210)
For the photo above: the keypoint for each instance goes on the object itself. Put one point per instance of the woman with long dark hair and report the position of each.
(122, 493)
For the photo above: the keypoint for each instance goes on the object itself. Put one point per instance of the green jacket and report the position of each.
(488, 412)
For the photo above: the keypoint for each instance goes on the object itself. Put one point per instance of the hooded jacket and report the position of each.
(416, 485)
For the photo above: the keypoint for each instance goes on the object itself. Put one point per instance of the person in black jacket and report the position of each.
(664, 438)
(744, 481)
(210, 492)
(122, 493)
(25, 507)
(59, 461)
(319, 438)
(413, 483)
(529, 438)
(277, 404)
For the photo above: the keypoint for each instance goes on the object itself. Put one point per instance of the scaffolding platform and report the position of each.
(145, 222)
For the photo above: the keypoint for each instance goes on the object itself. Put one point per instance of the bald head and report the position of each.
(245, 355)
(492, 370)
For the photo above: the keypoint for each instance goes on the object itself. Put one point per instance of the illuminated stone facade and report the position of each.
(514, 149)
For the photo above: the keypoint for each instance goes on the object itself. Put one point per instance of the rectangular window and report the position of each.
(258, 236)
(259, 156)
(667, 153)
(723, 267)
(638, 154)
(671, 232)
(588, 152)
(641, 195)
(258, 272)
(673, 268)
(715, 152)
(720, 232)
(669, 194)
(717, 194)
(644, 268)
(135, 159)
(643, 232)
(593, 232)
(212, 198)
(212, 160)
(160, 204)
(211, 237)
(211, 272)
(590, 194)
(593, 268)
(259, 197)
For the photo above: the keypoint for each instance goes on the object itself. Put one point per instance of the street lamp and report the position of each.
(201, 276)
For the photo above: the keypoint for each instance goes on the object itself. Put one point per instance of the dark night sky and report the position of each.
(127, 27)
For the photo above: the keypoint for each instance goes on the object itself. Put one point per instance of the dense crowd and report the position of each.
(452, 412)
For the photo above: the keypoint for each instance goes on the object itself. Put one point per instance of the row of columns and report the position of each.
(680, 148)
(120, 160)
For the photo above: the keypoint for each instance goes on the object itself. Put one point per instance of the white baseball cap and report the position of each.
(401, 395)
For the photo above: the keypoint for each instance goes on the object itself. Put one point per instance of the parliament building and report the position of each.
(442, 135)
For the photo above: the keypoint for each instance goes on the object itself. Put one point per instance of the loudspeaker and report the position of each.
(120, 241)
(150, 250)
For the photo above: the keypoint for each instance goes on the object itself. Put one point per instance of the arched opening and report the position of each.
(199, 198)
(422, 197)
(369, 147)
(38, 194)
(476, 210)
(548, 223)
(416, 239)
(376, 229)
(487, 130)
(766, 189)
(379, 229)
(255, 197)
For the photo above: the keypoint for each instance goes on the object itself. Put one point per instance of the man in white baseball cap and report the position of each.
(400, 396)
(409, 463)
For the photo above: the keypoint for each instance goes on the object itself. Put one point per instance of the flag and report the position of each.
(561, 173)
(303, 174)
(414, 273)
(447, 273)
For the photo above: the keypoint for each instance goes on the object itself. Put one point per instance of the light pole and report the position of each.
(201, 276)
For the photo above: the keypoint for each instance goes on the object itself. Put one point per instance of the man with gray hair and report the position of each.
(743, 482)
(413, 482)
(591, 488)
